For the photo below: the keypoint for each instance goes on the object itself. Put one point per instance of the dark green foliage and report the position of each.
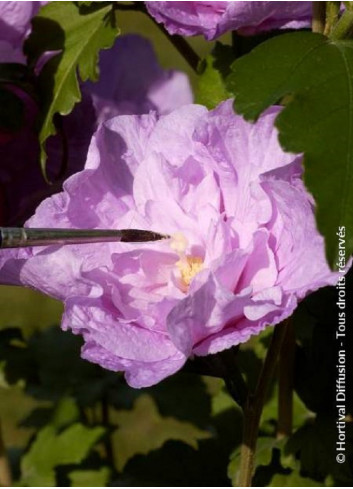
(50, 367)
(317, 118)
(316, 322)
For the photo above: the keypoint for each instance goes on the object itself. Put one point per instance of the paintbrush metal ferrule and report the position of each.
(24, 237)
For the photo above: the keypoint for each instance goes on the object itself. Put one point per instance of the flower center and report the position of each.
(188, 265)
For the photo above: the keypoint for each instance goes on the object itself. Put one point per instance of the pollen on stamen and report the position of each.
(188, 265)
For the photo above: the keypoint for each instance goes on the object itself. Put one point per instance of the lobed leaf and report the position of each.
(317, 74)
(51, 449)
(74, 34)
(314, 444)
(90, 478)
(143, 429)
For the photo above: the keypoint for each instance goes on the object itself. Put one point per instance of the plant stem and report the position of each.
(135, 6)
(285, 384)
(183, 47)
(319, 13)
(332, 13)
(254, 405)
(5, 471)
(108, 445)
(344, 27)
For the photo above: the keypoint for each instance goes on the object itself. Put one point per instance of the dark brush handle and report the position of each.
(23, 237)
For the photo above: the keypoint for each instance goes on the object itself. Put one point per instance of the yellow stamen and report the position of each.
(189, 266)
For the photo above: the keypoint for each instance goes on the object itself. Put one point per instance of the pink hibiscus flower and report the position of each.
(243, 251)
(212, 19)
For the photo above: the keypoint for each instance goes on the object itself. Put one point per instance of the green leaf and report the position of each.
(33, 310)
(90, 478)
(317, 74)
(222, 402)
(214, 69)
(314, 444)
(294, 479)
(270, 412)
(263, 456)
(38, 363)
(62, 414)
(143, 429)
(51, 449)
(77, 33)
(66, 412)
(275, 468)
(315, 375)
(177, 464)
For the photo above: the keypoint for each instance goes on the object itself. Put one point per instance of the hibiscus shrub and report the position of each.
(219, 354)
